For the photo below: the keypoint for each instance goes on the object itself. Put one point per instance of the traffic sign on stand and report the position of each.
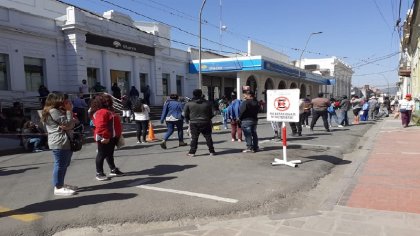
(283, 106)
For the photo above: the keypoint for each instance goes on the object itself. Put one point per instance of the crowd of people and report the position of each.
(60, 116)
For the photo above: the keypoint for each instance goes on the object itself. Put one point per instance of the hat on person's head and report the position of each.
(408, 95)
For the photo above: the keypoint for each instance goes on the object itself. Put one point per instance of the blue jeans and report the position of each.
(62, 160)
(332, 116)
(250, 131)
(36, 142)
(344, 118)
(171, 127)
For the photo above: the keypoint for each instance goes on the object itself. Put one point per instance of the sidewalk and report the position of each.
(381, 196)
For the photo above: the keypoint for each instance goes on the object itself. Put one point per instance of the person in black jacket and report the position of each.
(248, 116)
(198, 114)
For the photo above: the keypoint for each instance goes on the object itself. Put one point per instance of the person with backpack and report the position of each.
(233, 116)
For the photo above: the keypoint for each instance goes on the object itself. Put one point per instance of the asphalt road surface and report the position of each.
(162, 185)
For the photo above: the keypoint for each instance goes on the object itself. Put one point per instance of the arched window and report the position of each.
(293, 85)
(282, 85)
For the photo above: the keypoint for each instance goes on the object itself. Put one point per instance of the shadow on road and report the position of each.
(161, 170)
(124, 183)
(13, 172)
(331, 159)
(68, 203)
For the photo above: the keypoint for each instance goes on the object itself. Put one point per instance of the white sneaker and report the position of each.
(340, 126)
(233, 140)
(138, 141)
(72, 187)
(63, 191)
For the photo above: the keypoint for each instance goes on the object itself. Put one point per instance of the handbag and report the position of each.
(121, 142)
(75, 143)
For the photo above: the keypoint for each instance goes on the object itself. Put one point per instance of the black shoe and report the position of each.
(182, 144)
(299, 134)
(294, 134)
(163, 145)
(101, 177)
(328, 130)
(116, 172)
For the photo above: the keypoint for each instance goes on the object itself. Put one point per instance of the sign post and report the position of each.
(283, 106)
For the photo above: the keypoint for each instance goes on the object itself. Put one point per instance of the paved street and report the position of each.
(195, 193)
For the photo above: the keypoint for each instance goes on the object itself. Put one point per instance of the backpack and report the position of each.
(330, 109)
(365, 106)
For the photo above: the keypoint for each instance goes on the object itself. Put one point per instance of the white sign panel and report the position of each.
(283, 105)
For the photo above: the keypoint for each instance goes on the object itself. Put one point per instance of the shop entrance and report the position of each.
(122, 80)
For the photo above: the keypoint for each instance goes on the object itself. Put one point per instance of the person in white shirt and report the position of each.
(406, 107)
(141, 117)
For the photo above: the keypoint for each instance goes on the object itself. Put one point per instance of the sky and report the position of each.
(362, 33)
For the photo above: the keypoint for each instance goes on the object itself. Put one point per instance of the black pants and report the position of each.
(105, 152)
(141, 129)
(305, 118)
(297, 126)
(205, 129)
(315, 117)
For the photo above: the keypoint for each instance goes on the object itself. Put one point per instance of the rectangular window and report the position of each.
(4, 78)
(34, 73)
(92, 76)
(179, 85)
(165, 84)
(122, 78)
(143, 81)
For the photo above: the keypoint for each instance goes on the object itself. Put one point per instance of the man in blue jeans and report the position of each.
(248, 116)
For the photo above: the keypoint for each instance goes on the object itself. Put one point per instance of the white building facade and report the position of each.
(335, 67)
(43, 42)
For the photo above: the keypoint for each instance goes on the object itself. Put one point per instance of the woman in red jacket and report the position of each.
(106, 133)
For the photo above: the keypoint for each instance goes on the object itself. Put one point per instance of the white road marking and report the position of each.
(411, 153)
(140, 184)
(207, 196)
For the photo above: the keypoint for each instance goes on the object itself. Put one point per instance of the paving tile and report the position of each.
(353, 217)
(392, 231)
(357, 228)
(299, 232)
(322, 224)
(261, 227)
(294, 223)
(248, 232)
(222, 232)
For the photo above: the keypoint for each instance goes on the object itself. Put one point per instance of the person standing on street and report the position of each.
(116, 91)
(106, 133)
(320, 105)
(146, 95)
(406, 107)
(344, 106)
(297, 126)
(141, 116)
(198, 113)
(134, 94)
(248, 117)
(233, 115)
(373, 104)
(172, 115)
(307, 111)
(57, 116)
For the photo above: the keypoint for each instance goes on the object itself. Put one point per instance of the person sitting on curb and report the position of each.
(32, 136)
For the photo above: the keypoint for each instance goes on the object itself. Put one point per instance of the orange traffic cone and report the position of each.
(151, 136)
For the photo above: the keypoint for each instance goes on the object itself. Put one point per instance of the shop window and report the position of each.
(143, 81)
(165, 84)
(179, 85)
(34, 73)
(4, 65)
(92, 76)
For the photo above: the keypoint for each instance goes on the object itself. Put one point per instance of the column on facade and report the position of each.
(238, 87)
(105, 79)
(135, 77)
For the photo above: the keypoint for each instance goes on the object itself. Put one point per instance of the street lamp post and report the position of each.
(306, 44)
(199, 47)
